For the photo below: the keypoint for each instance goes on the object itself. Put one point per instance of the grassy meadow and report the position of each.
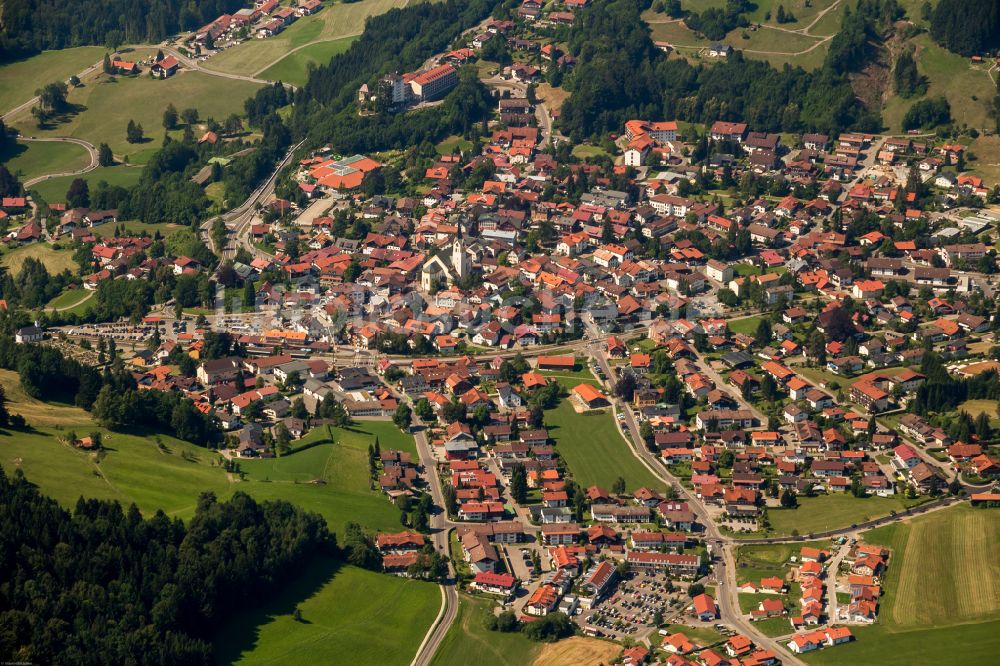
(107, 103)
(829, 512)
(55, 260)
(333, 22)
(294, 68)
(942, 593)
(339, 604)
(594, 449)
(968, 87)
(468, 641)
(348, 616)
(20, 79)
(30, 159)
(54, 190)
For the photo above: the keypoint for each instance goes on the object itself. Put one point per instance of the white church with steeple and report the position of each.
(441, 272)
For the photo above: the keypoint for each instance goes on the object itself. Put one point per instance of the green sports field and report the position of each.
(942, 596)
(349, 616)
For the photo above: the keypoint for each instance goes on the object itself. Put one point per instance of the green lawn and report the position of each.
(768, 39)
(349, 616)
(76, 301)
(697, 635)
(29, 159)
(754, 562)
(594, 450)
(136, 227)
(333, 22)
(108, 103)
(977, 407)
(941, 603)
(809, 60)
(584, 151)
(55, 260)
(68, 298)
(468, 641)
(132, 469)
(821, 375)
(20, 79)
(294, 68)
(987, 164)
(832, 20)
(571, 378)
(54, 189)
(744, 269)
(828, 512)
(775, 626)
(453, 143)
(747, 325)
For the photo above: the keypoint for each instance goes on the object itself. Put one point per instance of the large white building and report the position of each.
(433, 83)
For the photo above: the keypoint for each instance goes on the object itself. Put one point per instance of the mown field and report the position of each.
(136, 227)
(348, 616)
(29, 159)
(756, 562)
(578, 651)
(468, 641)
(294, 68)
(594, 450)
(73, 300)
(332, 479)
(106, 104)
(333, 22)
(942, 594)
(55, 260)
(54, 190)
(829, 512)
(20, 79)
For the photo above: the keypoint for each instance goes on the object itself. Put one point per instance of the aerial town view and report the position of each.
(507, 332)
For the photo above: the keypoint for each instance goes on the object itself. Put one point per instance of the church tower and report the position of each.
(459, 259)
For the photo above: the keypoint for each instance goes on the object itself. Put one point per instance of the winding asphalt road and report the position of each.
(440, 530)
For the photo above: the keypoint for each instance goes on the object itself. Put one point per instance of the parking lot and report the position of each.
(520, 562)
(629, 610)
